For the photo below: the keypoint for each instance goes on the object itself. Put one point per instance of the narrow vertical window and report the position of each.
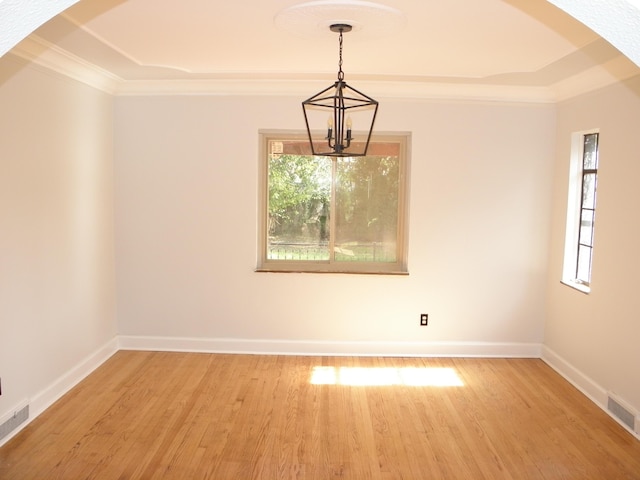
(581, 212)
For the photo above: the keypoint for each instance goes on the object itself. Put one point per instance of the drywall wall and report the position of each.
(186, 228)
(598, 333)
(57, 296)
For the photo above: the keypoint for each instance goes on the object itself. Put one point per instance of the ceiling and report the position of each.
(492, 49)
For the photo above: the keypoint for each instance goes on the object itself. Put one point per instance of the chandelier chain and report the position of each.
(340, 72)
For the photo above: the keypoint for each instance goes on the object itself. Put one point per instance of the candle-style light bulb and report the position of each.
(329, 127)
(349, 124)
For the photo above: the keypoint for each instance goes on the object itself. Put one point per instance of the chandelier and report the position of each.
(340, 107)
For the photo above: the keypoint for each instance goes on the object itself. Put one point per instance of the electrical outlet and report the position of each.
(424, 319)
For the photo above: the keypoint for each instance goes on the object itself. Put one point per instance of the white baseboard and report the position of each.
(66, 382)
(591, 389)
(44, 399)
(586, 385)
(323, 348)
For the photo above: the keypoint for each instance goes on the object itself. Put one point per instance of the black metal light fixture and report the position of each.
(340, 107)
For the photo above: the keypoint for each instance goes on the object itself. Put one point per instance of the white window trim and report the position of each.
(398, 268)
(573, 212)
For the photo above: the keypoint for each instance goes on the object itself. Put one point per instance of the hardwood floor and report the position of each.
(146, 415)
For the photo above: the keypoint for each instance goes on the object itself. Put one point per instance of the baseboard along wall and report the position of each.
(44, 399)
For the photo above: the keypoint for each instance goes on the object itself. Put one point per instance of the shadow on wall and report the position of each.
(633, 84)
(9, 67)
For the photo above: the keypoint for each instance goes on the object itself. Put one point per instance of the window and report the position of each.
(328, 214)
(581, 211)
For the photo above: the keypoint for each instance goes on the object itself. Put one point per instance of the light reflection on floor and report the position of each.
(373, 376)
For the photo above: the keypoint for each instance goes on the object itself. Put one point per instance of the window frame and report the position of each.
(575, 210)
(399, 267)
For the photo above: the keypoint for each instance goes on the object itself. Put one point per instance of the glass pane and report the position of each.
(586, 227)
(583, 273)
(367, 209)
(589, 190)
(590, 160)
(298, 209)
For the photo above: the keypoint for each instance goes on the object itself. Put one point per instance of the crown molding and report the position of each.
(54, 58)
(303, 88)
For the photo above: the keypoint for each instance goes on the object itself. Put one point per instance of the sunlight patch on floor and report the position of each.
(363, 376)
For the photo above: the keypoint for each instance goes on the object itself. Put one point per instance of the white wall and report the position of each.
(57, 295)
(186, 228)
(599, 333)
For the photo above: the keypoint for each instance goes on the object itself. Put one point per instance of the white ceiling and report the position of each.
(525, 49)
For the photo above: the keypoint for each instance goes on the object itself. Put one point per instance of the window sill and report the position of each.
(577, 286)
(339, 272)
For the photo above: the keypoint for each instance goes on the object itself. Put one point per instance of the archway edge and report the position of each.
(617, 21)
(19, 18)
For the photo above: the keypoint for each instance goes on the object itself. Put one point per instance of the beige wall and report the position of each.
(599, 334)
(57, 296)
(186, 216)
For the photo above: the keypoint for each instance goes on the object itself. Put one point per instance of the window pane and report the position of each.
(581, 210)
(332, 214)
(298, 210)
(589, 190)
(584, 264)
(367, 209)
(586, 227)
(590, 151)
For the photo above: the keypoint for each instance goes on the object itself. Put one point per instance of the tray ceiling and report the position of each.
(517, 47)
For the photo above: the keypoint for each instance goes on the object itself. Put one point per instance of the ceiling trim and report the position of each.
(378, 89)
(52, 57)
(47, 55)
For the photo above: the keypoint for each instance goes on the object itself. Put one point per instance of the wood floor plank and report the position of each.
(155, 415)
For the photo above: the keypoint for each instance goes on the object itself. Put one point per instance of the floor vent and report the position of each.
(13, 421)
(622, 412)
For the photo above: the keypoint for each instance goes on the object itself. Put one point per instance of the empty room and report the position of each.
(326, 239)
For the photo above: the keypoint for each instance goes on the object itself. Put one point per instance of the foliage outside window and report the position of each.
(328, 214)
(581, 211)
